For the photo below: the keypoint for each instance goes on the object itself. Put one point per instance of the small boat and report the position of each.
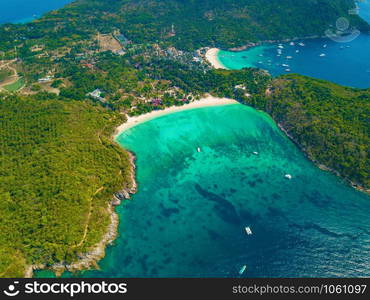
(260, 62)
(296, 51)
(325, 46)
(322, 55)
(301, 44)
(255, 153)
(289, 57)
(198, 149)
(281, 47)
(288, 176)
(291, 44)
(248, 230)
(242, 270)
(288, 70)
(285, 65)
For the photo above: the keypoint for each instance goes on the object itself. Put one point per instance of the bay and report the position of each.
(345, 61)
(189, 216)
(22, 11)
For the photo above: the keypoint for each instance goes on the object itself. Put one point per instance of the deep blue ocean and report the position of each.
(21, 11)
(345, 61)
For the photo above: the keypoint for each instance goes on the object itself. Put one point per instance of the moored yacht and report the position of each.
(248, 230)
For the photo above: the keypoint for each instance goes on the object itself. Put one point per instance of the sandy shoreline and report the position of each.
(211, 56)
(204, 102)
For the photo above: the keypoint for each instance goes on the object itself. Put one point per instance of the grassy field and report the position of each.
(15, 86)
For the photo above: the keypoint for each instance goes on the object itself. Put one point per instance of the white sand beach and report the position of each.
(207, 101)
(211, 56)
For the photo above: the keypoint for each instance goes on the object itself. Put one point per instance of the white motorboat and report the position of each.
(242, 270)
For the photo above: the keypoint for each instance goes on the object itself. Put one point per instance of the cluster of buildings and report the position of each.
(156, 102)
(243, 88)
(194, 59)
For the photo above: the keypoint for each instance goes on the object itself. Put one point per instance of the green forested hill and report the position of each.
(58, 170)
(187, 24)
(329, 121)
(231, 23)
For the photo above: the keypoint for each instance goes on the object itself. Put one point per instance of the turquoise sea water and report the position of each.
(344, 63)
(21, 11)
(189, 215)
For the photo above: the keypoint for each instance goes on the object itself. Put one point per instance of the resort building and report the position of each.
(97, 95)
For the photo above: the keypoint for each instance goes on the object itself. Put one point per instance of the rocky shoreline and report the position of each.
(322, 166)
(89, 260)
